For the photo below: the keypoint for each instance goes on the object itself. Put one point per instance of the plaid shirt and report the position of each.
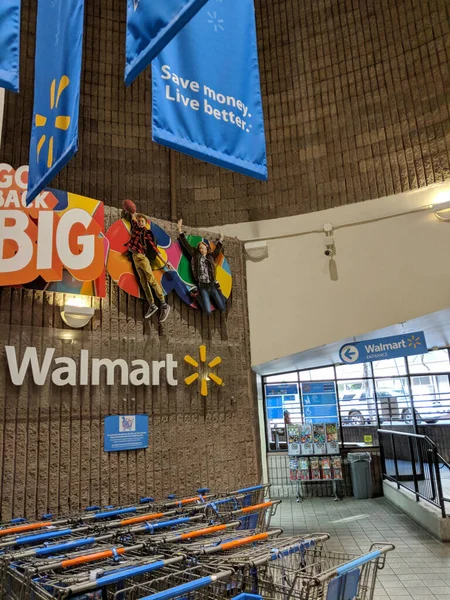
(204, 270)
(141, 240)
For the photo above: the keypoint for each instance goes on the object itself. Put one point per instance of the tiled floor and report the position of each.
(418, 568)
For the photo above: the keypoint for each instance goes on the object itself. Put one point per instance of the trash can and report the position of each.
(361, 474)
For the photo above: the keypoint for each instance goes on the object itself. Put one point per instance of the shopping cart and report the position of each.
(109, 581)
(79, 550)
(194, 583)
(257, 516)
(98, 513)
(172, 502)
(294, 551)
(61, 572)
(322, 575)
(226, 543)
(255, 494)
(225, 508)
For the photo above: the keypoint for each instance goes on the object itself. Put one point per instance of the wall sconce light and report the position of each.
(442, 210)
(256, 251)
(75, 314)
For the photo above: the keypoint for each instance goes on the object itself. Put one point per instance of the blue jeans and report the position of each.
(209, 293)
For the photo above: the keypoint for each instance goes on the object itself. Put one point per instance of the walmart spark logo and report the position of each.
(215, 21)
(61, 122)
(203, 371)
(414, 341)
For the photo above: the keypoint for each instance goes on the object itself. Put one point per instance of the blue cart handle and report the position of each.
(115, 513)
(250, 489)
(185, 588)
(358, 562)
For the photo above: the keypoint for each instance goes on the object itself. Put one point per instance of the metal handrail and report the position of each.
(406, 434)
(437, 498)
(443, 461)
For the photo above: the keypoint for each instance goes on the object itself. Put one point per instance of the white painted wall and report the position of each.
(387, 269)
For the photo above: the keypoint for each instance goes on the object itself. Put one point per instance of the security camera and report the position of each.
(329, 246)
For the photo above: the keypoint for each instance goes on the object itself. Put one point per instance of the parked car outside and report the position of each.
(393, 405)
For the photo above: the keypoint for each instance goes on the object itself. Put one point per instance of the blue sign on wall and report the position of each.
(395, 346)
(320, 402)
(126, 432)
(281, 389)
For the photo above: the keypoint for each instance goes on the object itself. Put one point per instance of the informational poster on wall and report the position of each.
(125, 432)
(280, 399)
(319, 402)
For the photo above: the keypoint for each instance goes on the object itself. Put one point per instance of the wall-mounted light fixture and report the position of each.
(75, 313)
(442, 209)
(256, 251)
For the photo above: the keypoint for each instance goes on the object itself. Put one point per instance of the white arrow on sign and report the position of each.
(349, 353)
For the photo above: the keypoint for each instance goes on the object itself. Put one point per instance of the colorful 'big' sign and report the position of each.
(54, 244)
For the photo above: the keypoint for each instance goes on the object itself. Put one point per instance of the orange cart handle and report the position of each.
(200, 532)
(243, 541)
(248, 509)
(142, 518)
(187, 500)
(80, 560)
(21, 528)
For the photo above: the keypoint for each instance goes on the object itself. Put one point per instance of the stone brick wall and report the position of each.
(356, 105)
(51, 438)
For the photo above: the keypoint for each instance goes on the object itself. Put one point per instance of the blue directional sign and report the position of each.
(320, 402)
(395, 346)
(126, 432)
(281, 389)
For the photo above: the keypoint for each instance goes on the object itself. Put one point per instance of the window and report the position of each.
(282, 407)
(382, 393)
(353, 371)
(389, 368)
(431, 397)
(433, 362)
(284, 377)
(317, 374)
(394, 401)
(357, 402)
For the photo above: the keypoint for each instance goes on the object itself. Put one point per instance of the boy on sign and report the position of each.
(204, 270)
(143, 249)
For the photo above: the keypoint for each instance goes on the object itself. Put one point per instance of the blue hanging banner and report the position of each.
(9, 44)
(151, 25)
(207, 93)
(54, 134)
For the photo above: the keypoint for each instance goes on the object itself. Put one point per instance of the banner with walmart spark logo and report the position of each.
(206, 90)
(9, 44)
(151, 24)
(54, 135)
